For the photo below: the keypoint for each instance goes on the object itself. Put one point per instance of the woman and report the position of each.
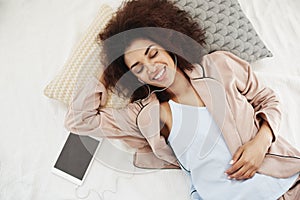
(205, 113)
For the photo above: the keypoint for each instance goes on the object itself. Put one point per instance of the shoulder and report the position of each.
(222, 55)
(214, 63)
(223, 58)
(224, 62)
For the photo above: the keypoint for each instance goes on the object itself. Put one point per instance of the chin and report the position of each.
(163, 85)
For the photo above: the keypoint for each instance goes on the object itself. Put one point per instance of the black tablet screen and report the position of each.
(76, 155)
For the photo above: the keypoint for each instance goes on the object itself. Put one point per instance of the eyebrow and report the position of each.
(146, 52)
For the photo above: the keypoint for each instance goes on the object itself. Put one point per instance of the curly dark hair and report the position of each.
(178, 34)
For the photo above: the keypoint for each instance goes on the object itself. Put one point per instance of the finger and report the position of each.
(239, 173)
(234, 168)
(253, 173)
(237, 155)
(248, 174)
(240, 168)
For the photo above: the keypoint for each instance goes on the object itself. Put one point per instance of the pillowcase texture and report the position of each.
(227, 28)
(82, 64)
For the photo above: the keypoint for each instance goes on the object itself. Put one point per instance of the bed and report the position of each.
(36, 39)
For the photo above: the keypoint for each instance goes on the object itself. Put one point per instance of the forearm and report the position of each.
(82, 112)
(265, 135)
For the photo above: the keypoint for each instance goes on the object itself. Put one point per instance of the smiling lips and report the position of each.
(160, 74)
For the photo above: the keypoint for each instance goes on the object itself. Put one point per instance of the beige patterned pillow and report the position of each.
(83, 63)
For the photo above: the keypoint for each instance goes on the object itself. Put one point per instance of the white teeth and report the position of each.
(159, 74)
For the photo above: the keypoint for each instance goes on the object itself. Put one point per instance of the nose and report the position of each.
(150, 67)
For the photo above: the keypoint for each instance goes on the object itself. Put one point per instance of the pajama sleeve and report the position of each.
(87, 116)
(264, 100)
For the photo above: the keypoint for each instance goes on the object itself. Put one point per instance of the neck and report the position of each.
(181, 88)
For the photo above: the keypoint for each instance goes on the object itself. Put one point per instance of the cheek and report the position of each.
(172, 74)
(142, 77)
(172, 79)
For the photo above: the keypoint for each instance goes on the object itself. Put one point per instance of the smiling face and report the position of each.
(150, 63)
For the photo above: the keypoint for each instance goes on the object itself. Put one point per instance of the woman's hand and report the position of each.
(249, 157)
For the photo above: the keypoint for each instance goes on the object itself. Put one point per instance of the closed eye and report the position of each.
(153, 53)
(138, 69)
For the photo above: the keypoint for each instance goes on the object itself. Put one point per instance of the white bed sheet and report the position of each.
(36, 38)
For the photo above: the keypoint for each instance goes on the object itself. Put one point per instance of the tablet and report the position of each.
(76, 157)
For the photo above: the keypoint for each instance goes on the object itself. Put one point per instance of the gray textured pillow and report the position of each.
(227, 28)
